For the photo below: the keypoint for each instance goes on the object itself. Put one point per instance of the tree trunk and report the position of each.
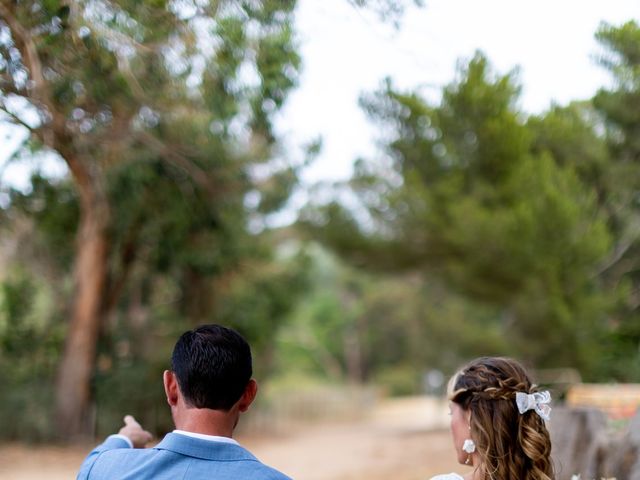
(73, 386)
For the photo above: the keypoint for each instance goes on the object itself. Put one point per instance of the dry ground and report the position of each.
(402, 439)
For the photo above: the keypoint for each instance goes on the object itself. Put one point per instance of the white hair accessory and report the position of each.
(538, 401)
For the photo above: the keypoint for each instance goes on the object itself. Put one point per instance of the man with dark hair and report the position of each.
(209, 385)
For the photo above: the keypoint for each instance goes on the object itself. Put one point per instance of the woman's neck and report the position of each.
(475, 474)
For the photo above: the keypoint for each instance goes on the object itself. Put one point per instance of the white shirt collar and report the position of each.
(211, 438)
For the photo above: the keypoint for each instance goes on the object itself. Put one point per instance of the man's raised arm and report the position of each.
(132, 435)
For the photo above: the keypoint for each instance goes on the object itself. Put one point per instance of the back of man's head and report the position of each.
(213, 366)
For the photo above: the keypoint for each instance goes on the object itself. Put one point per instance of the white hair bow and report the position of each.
(538, 401)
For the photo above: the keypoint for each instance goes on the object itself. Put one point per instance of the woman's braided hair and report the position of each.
(512, 446)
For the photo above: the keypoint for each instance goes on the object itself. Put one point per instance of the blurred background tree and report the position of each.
(162, 112)
(531, 217)
(361, 328)
(477, 230)
(619, 185)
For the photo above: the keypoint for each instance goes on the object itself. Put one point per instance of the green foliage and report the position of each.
(621, 118)
(165, 109)
(389, 330)
(53, 208)
(501, 209)
(479, 231)
(30, 342)
(259, 301)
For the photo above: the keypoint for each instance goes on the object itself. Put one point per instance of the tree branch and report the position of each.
(619, 251)
(128, 255)
(29, 52)
(7, 86)
(38, 92)
(17, 120)
(195, 172)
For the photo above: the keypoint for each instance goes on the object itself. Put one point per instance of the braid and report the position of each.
(505, 390)
(511, 446)
(536, 444)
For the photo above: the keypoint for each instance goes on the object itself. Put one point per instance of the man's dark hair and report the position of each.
(213, 366)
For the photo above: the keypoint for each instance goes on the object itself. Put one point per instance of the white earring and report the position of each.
(468, 446)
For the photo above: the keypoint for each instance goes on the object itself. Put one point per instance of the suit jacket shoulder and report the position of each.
(176, 456)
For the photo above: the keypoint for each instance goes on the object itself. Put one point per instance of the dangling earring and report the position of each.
(468, 446)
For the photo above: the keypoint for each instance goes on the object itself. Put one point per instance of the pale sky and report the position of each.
(347, 52)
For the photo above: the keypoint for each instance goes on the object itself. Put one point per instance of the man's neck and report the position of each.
(207, 422)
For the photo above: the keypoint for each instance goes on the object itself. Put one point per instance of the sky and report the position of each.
(348, 51)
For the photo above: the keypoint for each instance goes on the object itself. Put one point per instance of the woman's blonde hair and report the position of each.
(512, 446)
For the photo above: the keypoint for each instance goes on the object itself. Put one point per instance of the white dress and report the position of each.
(447, 476)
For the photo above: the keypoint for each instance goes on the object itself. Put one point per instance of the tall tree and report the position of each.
(598, 139)
(462, 196)
(619, 107)
(189, 86)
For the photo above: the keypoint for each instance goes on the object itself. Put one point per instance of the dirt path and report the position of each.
(403, 440)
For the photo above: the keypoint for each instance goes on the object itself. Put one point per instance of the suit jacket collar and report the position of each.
(204, 449)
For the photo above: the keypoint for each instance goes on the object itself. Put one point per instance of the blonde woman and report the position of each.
(498, 422)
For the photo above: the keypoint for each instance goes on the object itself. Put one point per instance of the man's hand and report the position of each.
(134, 432)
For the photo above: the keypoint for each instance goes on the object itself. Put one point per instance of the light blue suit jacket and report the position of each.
(175, 457)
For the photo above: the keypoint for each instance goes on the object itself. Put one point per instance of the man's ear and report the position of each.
(170, 387)
(248, 396)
